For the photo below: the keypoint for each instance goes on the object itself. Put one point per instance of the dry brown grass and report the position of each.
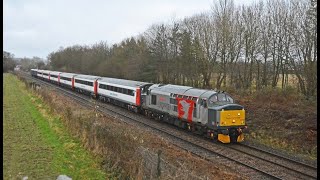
(282, 119)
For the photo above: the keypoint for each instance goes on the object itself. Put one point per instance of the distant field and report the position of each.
(35, 143)
(292, 80)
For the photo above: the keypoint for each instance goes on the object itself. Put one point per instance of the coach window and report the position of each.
(130, 92)
(125, 91)
(154, 99)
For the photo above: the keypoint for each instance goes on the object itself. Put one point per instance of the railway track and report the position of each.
(285, 162)
(240, 158)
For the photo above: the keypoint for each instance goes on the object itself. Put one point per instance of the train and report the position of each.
(210, 113)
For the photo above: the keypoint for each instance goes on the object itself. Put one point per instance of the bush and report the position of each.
(277, 95)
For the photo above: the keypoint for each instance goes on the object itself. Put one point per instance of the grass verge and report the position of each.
(36, 144)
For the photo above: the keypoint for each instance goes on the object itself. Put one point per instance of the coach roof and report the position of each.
(88, 77)
(46, 71)
(123, 82)
(68, 75)
(54, 73)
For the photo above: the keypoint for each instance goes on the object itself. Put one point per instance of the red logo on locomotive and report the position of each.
(185, 107)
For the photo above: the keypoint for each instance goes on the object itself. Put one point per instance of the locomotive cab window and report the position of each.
(229, 99)
(220, 98)
(153, 99)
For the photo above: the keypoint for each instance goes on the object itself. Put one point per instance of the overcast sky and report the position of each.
(38, 27)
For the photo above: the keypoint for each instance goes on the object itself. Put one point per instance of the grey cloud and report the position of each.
(36, 28)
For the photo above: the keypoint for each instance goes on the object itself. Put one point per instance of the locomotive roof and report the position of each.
(195, 92)
(124, 82)
(88, 77)
(172, 88)
(183, 90)
(208, 94)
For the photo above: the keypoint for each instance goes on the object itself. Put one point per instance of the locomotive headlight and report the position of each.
(238, 114)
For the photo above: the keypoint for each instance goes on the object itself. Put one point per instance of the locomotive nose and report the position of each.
(232, 117)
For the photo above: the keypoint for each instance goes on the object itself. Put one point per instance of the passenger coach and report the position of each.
(55, 77)
(34, 72)
(67, 80)
(86, 84)
(126, 93)
(45, 75)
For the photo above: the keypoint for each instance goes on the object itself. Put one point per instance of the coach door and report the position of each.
(203, 115)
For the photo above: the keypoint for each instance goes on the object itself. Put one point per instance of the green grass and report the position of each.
(36, 144)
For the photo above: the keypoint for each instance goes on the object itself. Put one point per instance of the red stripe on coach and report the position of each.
(138, 96)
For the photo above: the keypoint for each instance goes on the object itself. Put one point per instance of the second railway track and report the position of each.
(254, 163)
